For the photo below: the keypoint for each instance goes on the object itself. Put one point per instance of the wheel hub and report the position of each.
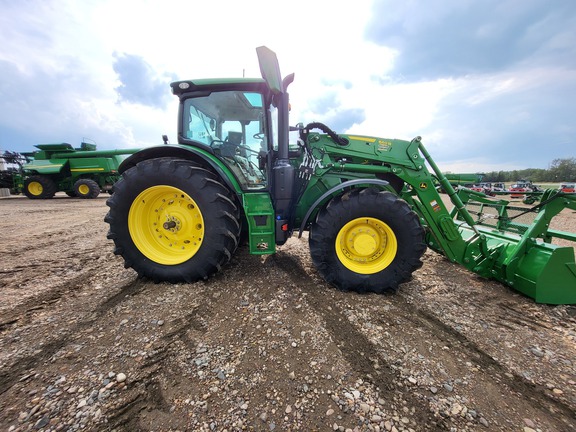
(366, 245)
(166, 225)
(172, 224)
(35, 188)
(83, 189)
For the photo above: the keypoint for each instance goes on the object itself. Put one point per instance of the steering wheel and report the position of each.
(249, 149)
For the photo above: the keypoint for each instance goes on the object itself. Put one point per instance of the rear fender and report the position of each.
(183, 152)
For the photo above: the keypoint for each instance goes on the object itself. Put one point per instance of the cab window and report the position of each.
(232, 124)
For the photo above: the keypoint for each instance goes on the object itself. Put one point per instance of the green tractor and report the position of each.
(370, 204)
(81, 172)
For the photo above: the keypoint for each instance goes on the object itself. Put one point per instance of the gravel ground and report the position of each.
(264, 345)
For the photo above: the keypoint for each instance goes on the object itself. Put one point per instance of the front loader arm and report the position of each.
(491, 244)
(443, 234)
(369, 157)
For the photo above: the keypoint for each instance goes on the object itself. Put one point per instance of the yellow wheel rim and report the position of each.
(35, 188)
(166, 225)
(83, 189)
(366, 245)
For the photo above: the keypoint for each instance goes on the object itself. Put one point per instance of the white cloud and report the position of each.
(400, 110)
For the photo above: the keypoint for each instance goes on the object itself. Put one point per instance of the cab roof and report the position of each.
(217, 84)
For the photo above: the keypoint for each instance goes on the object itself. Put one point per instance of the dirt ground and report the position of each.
(264, 345)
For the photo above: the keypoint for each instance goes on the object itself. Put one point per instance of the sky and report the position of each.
(489, 85)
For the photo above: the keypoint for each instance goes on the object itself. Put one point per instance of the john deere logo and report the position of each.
(423, 186)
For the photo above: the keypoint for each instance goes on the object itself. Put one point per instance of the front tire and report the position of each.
(367, 241)
(172, 220)
(86, 189)
(39, 187)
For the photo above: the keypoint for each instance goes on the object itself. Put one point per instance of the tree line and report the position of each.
(560, 170)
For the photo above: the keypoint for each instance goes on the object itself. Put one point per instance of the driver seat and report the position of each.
(235, 139)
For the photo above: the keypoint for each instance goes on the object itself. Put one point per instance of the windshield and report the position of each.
(231, 123)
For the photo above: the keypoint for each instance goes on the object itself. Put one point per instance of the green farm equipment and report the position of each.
(79, 172)
(370, 204)
(11, 171)
(461, 180)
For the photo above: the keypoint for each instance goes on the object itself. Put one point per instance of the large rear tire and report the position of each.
(172, 220)
(367, 241)
(39, 187)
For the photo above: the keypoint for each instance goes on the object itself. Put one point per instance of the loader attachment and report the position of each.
(522, 250)
(523, 247)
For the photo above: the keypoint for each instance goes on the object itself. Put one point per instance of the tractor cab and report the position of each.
(229, 122)
(244, 123)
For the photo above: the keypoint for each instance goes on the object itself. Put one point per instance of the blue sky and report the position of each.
(489, 84)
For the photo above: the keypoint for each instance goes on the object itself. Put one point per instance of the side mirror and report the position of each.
(270, 69)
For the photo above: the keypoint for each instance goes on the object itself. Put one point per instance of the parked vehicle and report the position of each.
(79, 172)
(370, 204)
(477, 188)
(498, 187)
(525, 190)
(11, 164)
(568, 187)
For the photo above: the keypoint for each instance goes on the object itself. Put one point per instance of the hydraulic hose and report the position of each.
(316, 125)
